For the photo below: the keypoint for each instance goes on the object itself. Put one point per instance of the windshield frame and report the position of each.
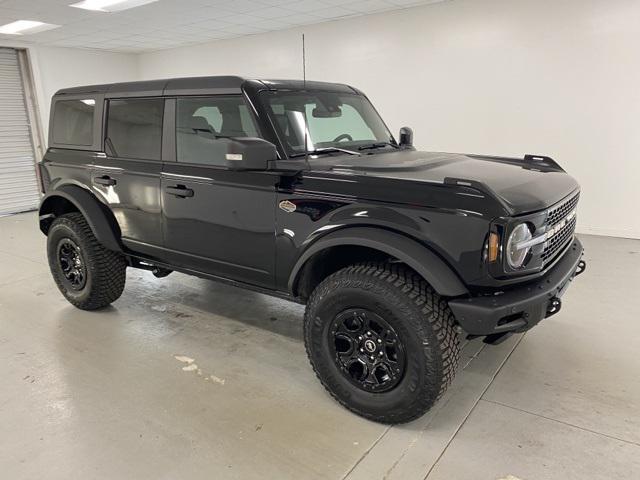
(299, 154)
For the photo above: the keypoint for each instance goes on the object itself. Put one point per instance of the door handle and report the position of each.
(179, 191)
(105, 180)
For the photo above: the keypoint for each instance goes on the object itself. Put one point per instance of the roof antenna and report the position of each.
(304, 113)
(304, 64)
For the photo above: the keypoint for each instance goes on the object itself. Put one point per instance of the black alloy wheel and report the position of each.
(367, 350)
(72, 264)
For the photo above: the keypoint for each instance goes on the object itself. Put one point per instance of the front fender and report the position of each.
(425, 262)
(99, 218)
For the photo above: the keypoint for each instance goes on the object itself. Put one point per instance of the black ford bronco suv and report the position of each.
(298, 189)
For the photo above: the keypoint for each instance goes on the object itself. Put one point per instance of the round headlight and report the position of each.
(516, 254)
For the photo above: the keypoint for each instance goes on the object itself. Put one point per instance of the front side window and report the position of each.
(330, 119)
(134, 128)
(203, 124)
(73, 122)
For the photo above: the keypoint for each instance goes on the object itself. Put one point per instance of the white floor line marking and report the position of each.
(595, 432)
(474, 407)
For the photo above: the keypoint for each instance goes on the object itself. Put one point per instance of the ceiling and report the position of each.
(172, 23)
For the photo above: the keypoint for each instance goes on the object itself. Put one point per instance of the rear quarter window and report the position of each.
(73, 122)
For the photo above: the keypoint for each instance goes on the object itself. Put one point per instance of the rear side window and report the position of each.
(73, 122)
(203, 124)
(134, 128)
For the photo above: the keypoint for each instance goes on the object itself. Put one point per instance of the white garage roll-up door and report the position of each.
(18, 181)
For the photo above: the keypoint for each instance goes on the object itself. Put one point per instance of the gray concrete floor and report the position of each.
(102, 395)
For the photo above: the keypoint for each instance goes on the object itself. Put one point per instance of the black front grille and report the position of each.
(556, 214)
(555, 244)
(563, 219)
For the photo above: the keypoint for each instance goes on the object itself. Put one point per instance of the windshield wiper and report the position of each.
(377, 145)
(318, 151)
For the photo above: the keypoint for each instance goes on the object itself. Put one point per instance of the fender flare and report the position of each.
(420, 258)
(95, 213)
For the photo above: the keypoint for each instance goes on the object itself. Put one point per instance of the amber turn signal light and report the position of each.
(494, 242)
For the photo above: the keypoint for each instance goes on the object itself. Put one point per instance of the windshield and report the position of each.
(333, 121)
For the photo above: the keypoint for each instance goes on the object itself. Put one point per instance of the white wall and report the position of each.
(507, 77)
(56, 68)
(494, 76)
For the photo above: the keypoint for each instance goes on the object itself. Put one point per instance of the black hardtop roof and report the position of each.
(198, 85)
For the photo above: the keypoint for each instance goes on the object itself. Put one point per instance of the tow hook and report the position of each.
(582, 266)
(160, 272)
(554, 306)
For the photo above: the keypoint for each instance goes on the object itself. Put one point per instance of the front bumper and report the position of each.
(519, 308)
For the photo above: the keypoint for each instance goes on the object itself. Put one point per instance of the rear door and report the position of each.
(216, 220)
(127, 176)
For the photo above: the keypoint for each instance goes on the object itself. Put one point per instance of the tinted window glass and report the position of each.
(327, 119)
(326, 129)
(203, 124)
(134, 128)
(73, 122)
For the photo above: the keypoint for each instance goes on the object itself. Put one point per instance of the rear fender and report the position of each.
(100, 219)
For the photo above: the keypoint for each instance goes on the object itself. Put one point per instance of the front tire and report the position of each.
(88, 275)
(381, 341)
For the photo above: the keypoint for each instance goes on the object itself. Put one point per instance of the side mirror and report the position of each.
(249, 153)
(406, 137)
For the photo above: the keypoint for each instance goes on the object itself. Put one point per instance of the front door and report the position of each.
(217, 221)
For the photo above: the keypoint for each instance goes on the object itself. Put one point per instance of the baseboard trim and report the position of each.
(609, 232)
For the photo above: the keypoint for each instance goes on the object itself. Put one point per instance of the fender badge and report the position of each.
(287, 206)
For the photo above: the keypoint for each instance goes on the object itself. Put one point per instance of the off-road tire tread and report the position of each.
(436, 316)
(107, 268)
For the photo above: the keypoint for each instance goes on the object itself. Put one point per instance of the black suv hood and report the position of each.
(521, 186)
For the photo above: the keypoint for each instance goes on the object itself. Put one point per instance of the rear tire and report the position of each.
(88, 275)
(380, 305)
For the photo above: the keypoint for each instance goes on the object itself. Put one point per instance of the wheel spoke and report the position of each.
(347, 358)
(341, 328)
(371, 378)
(366, 322)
